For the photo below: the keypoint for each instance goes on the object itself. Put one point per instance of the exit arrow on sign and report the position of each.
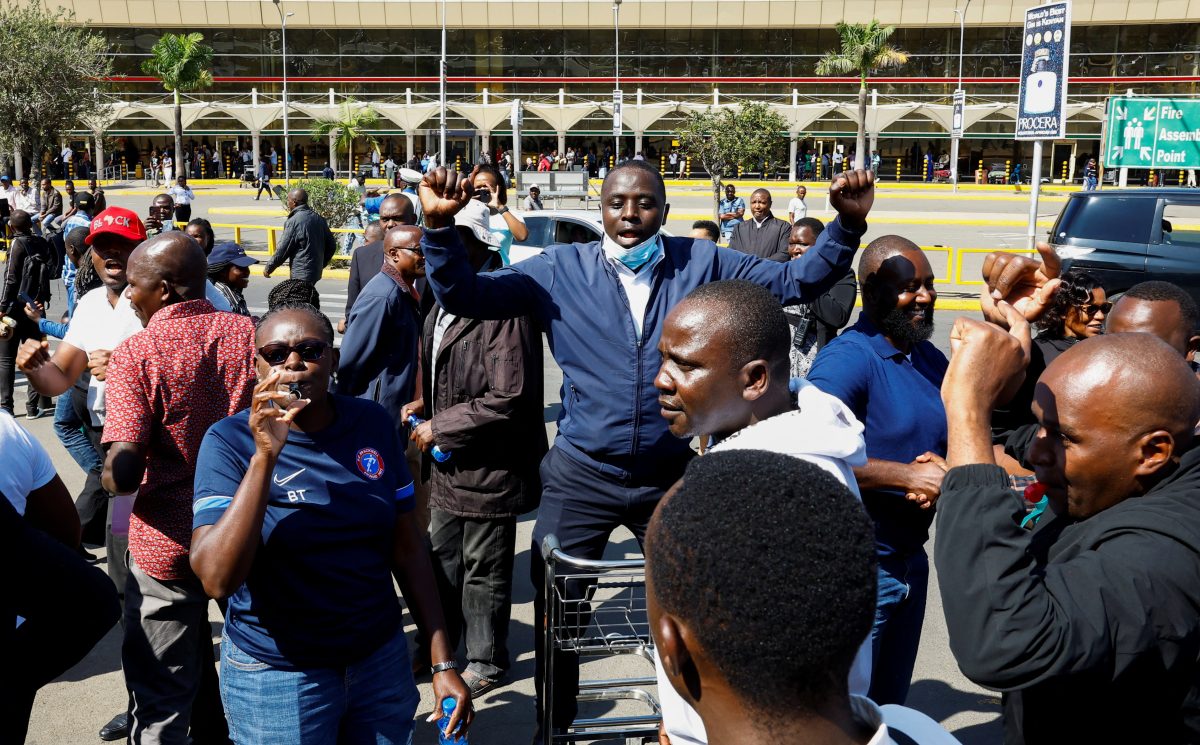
(1152, 133)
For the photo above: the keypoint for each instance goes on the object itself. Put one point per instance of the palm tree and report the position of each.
(350, 124)
(181, 63)
(864, 50)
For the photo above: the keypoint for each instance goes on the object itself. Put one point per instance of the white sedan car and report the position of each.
(547, 227)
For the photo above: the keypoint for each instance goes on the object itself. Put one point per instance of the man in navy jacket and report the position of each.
(602, 305)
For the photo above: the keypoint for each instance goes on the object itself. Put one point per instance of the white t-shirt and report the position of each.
(797, 210)
(24, 464)
(98, 325)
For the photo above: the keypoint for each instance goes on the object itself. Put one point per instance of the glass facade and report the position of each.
(693, 54)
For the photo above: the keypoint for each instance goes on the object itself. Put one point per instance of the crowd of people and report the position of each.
(255, 463)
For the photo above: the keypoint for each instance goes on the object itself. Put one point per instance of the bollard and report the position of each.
(1150, 179)
(612, 162)
(1007, 170)
(1180, 178)
(739, 170)
(818, 170)
(458, 163)
(203, 167)
(71, 169)
(270, 241)
(1064, 172)
(899, 162)
(687, 166)
(662, 164)
(306, 164)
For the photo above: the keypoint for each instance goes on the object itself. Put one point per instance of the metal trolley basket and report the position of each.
(598, 609)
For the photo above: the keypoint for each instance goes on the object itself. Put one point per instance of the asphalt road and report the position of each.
(73, 708)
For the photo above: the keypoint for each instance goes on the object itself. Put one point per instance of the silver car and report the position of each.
(547, 227)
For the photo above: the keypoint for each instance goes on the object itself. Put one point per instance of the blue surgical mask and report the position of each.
(634, 257)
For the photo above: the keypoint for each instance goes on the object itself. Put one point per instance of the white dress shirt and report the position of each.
(637, 284)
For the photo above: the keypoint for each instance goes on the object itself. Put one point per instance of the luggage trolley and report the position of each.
(598, 609)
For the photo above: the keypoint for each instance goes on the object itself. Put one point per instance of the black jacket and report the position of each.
(307, 243)
(832, 310)
(1092, 627)
(25, 270)
(768, 242)
(1018, 412)
(488, 412)
(365, 263)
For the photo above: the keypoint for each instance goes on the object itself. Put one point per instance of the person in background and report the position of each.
(327, 172)
(1076, 312)
(307, 244)
(482, 384)
(265, 170)
(763, 235)
(183, 196)
(200, 230)
(504, 223)
(161, 217)
(885, 369)
(706, 230)
(80, 215)
(730, 211)
(168, 166)
(533, 202)
(815, 323)
(229, 273)
(158, 408)
(302, 515)
(797, 209)
(735, 658)
(26, 275)
(1160, 308)
(367, 259)
(100, 202)
(52, 205)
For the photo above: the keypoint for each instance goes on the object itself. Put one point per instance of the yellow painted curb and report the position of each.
(283, 272)
(265, 211)
(877, 220)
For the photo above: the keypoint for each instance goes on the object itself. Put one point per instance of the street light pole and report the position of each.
(287, 145)
(617, 74)
(962, 37)
(442, 81)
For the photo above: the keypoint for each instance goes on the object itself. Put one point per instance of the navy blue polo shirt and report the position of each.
(320, 591)
(898, 399)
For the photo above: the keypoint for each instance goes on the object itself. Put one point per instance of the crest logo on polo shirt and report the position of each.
(370, 463)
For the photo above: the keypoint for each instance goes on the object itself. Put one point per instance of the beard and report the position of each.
(900, 325)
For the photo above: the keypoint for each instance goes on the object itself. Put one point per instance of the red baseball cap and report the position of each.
(119, 222)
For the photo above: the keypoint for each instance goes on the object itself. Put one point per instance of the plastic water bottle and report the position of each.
(443, 724)
(441, 456)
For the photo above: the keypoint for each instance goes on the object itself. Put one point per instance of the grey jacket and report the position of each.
(307, 244)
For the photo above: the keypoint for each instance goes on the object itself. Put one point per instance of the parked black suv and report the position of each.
(1126, 236)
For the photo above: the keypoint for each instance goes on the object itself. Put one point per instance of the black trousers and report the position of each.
(473, 564)
(183, 213)
(26, 329)
(67, 607)
(582, 505)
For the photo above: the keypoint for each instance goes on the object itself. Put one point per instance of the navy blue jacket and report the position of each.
(610, 405)
(379, 351)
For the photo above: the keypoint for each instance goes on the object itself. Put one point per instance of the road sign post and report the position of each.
(1162, 133)
(956, 132)
(1041, 107)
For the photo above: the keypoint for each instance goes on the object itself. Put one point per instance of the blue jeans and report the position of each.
(373, 701)
(69, 429)
(899, 614)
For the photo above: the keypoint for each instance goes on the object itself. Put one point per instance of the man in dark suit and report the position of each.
(763, 235)
(367, 259)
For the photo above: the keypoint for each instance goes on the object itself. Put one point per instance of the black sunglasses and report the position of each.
(1091, 309)
(277, 354)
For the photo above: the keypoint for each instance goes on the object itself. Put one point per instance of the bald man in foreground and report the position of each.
(1090, 625)
(190, 367)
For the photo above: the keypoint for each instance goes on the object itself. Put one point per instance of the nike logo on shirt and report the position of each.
(284, 481)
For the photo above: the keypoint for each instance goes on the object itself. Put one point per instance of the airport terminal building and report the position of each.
(560, 59)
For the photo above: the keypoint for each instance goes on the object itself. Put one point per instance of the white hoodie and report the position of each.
(824, 432)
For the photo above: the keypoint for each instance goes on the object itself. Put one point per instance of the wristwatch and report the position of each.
(502, 209)
(442, 667)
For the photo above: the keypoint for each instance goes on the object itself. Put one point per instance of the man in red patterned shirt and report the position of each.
(190, 367)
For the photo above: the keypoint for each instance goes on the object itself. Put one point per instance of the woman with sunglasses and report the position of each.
(302, 514)
(1077, 312)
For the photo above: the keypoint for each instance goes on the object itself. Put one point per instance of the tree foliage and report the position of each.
(181, 63)
(52, 70)
(723, 139)
(351, 124)
(330, 199)
(864, 50)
